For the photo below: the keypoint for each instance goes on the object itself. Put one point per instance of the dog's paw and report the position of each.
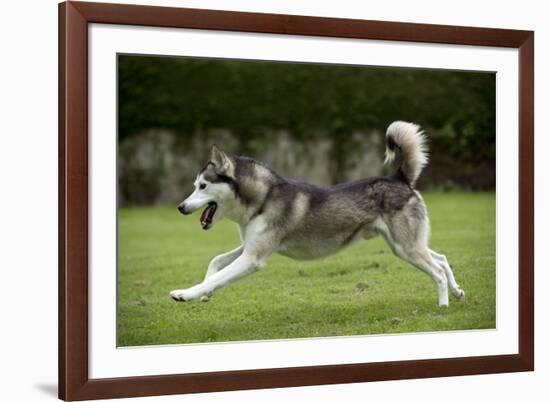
(181, 295)
(458, 293)
(176, 295)
(461, 295)
(189, 294)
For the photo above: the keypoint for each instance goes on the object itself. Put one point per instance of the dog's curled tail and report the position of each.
(410, 141)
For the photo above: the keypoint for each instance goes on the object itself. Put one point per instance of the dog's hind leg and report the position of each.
(223, 260)
(415, 252)
(407, 232)
(421, 258)
(442, 261)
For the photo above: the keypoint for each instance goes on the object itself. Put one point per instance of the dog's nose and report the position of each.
(182, 210)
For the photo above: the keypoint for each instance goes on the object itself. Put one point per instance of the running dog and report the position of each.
(302, 221)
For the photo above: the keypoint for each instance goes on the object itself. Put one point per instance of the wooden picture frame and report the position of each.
(74, 381)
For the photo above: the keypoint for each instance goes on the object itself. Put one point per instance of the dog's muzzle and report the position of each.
(182, 209)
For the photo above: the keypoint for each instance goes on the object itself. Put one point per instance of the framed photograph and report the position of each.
(258, 200)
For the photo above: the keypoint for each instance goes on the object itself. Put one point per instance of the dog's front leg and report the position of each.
(243, 265)
(223, 260)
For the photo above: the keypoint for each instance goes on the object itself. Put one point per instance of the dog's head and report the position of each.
(215, 188)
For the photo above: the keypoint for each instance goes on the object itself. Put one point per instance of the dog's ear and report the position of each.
(220, 160)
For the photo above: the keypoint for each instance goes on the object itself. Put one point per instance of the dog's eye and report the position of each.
(202, 186)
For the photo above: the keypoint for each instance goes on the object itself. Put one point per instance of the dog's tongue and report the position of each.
(207, 215)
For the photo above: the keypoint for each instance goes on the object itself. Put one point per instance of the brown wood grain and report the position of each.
(526, 214)
(74, 382)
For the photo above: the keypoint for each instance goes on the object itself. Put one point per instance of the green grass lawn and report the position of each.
(362, 290)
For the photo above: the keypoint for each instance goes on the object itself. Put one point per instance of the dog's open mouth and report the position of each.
(208, 215)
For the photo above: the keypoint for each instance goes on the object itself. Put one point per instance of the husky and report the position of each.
(302, 221)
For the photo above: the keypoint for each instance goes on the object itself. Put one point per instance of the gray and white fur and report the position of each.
(302, 221)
